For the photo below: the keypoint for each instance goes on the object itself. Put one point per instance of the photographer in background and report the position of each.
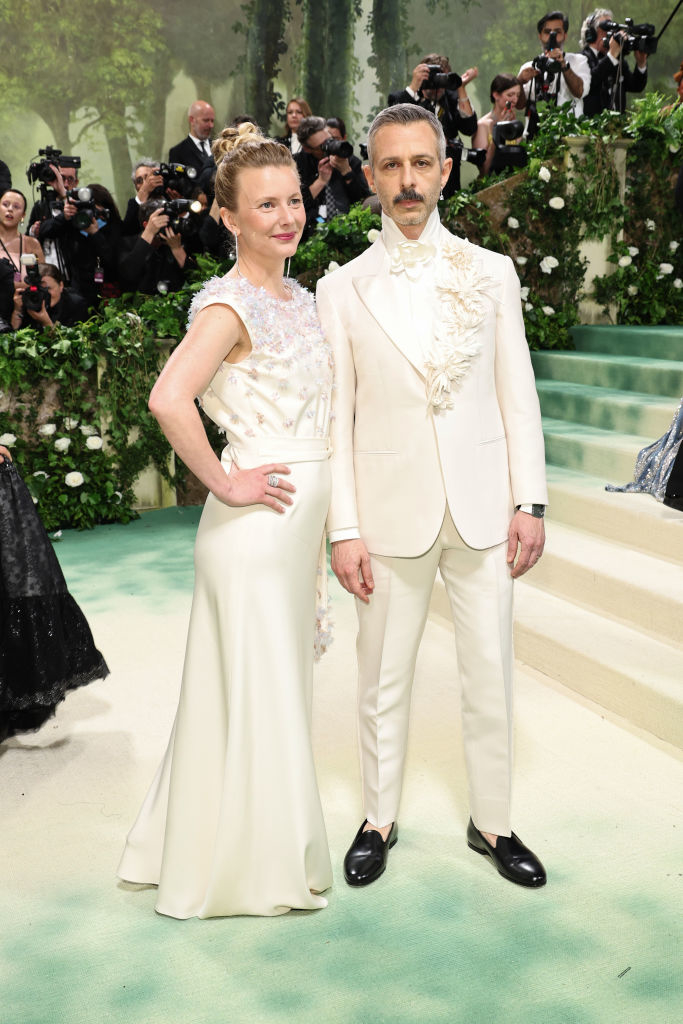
(86, 228)
(449, 102)
(49, 302)
(554, 76)
(504, 93)
(55, 178)
(146, 179)
(157, 260)
(611, 77)
(331, 176)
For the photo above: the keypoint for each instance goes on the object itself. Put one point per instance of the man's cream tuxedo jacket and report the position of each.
(395, 460)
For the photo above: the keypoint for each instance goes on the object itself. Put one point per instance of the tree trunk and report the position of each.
(121, 161)
(389, 45)
(314, 49)
(339, 62)
(265, 44)
(154, 123)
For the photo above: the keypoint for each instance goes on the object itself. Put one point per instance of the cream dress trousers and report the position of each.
(232, 823)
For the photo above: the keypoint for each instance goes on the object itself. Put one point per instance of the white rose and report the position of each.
(548, 264)
(521, 260)
(94, 442)
(673, 148)
(40, 472)
(544, 174)
(70, 424)
(73, 479)
(678, 283)
(56, 535)
(665, 268)
(625, 261)
(513, 223)
(632, 290)
(118, 495)
(528, 306)
(373, 235)
(8, 439)
(62, 444)
(34, 500)
(557, 203)
(673, 246)
(332, 266)
(524, 293)
(47, 429)
(633, 250)
(650, 225)
(548, 310)
(87, 431)
(552, 262)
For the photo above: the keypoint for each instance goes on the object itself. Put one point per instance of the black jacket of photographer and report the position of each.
(71, 309)
(603, 78)
(143, 266)
(346, 190)
(79, 252)
(452, 121)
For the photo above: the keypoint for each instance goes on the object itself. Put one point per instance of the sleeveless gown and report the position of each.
(233, 823)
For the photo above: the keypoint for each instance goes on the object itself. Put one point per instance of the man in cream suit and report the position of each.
(437, 462)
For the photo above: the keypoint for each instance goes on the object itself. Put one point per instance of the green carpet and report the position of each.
(439, 938)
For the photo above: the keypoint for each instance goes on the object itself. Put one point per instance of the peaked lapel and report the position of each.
(375, 289)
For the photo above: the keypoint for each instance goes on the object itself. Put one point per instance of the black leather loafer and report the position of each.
(367, 856)
(511, 857)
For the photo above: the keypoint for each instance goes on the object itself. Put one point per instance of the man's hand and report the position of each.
(341, 164)
(58, 184)
(526, 539)
(468, 75)
(148, 186)
(324, 170)
(175, 243)
(70, 209)
(641, 58)
(419, 74)
(351, 566)
(156, 222)
(526, 75)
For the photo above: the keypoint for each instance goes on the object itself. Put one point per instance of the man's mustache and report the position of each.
(409, 193)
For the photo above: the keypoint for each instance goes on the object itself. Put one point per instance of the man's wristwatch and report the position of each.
(537, 511)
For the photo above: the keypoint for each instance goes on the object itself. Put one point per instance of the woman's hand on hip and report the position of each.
(261, 486)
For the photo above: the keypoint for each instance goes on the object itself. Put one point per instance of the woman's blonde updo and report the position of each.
(242, 147)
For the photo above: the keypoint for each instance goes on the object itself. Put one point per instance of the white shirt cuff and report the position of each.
(348, 533)
(411, 92)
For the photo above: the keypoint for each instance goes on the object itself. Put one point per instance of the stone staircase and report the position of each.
(602, 612)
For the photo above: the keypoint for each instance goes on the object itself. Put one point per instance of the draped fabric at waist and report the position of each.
(248, 454)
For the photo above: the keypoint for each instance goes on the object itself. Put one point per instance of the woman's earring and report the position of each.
(237, 255)
(289, 263)
(441, 196)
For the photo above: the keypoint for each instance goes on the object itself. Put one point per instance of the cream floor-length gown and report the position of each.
(232, 823)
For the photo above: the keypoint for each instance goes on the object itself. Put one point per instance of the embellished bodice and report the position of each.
(284, 386)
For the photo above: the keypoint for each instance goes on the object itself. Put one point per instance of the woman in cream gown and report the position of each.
(232, 823)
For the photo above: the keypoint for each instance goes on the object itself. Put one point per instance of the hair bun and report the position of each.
(232, 138)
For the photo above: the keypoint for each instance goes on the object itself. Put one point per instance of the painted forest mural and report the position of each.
(111, 80)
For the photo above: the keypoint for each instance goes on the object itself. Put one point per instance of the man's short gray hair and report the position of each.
(309, 126)
(592, 20)
(146, 161)
(404, 114)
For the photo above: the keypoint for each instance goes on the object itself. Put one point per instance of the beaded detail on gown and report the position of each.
(233, 822)
(654, 462)
(46, 647)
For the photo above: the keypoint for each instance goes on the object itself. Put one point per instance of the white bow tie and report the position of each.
(411, 257)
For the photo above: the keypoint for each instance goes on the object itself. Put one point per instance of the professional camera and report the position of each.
(460, 154)
(40, 170)
(174, 210)
(508, 154)
(544, 63)
(86, 212)
(631, 37)
(35, 293)
(179, 177)
(439, 79)
(337, 147)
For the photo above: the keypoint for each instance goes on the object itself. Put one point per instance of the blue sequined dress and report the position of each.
(233, 822)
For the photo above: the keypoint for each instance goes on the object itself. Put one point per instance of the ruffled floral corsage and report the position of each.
(463, 292)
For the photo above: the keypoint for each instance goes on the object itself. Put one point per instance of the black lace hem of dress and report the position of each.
(47, 650)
